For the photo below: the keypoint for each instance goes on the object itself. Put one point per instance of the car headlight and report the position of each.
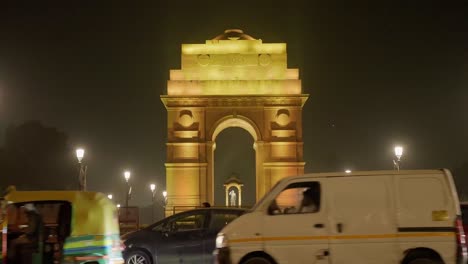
(222, 241)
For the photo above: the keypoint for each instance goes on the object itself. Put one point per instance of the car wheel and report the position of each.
(138, 257)
(424, 261)
(257, 260)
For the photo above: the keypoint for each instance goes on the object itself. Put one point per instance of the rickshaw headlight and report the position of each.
(222, 241)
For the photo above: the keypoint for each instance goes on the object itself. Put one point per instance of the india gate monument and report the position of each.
(232, 80)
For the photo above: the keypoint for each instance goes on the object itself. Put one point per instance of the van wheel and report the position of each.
(257, 260)
(138, 257)
(425, 261)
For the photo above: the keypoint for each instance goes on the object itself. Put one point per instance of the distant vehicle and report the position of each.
(59, 227)
(385, 217)
(187, 237)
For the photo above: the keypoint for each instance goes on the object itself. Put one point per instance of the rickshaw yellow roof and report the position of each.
(69, 196)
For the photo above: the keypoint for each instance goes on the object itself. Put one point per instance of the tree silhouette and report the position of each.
(36, 157)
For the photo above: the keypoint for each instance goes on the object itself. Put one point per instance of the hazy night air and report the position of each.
(377, 76)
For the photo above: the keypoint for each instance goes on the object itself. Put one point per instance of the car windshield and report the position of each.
(158, 226)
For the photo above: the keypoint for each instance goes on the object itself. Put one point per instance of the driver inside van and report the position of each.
(309, 202)
(31, 234)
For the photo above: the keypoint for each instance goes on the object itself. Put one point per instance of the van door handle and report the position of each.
(319, 225)
(339, 227)
(322, 254)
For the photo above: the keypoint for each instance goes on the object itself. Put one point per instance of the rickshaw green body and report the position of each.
(94, 235)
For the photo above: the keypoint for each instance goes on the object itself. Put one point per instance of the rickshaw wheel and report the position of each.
(138, 257)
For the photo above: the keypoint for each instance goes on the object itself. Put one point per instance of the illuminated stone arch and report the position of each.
(235, 121)
(233, 80)
(224, 123)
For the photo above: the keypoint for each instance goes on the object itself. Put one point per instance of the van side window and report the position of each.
(297, 198)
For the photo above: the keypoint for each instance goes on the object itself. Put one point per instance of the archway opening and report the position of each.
(234, 156)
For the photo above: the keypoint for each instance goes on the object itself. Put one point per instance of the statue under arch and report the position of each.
(233, 188)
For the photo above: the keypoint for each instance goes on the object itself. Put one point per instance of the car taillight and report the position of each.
(462, 252)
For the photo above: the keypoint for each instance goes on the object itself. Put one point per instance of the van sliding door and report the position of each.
(362, 220)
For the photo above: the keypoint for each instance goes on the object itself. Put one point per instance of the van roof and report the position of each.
(369, 173)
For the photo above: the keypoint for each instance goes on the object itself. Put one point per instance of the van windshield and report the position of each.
(263, 198)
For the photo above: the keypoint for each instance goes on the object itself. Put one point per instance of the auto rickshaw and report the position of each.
(72, 227)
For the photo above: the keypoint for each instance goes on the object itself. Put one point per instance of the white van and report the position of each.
(374, 217)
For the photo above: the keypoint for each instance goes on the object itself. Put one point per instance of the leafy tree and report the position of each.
(36, 157)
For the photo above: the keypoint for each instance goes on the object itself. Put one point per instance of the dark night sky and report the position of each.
(377, 75)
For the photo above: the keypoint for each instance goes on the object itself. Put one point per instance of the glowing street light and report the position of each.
(82, 173)
(79, 154)
(110, 196)
(398, 154)
(118, 205)
(127, 176)
(347, 171)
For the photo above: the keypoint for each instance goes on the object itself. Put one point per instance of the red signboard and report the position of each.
(129, 219)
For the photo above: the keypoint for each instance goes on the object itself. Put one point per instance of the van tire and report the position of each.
(425, 261)
(137, 257)
(257, 260)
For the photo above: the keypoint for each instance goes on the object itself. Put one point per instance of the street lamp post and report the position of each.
(118, 211)
(165, 198)
(398, 154)
(153, 190)
(129, 189)
(82, 173)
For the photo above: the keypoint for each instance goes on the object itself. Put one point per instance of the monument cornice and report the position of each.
(237, 100)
